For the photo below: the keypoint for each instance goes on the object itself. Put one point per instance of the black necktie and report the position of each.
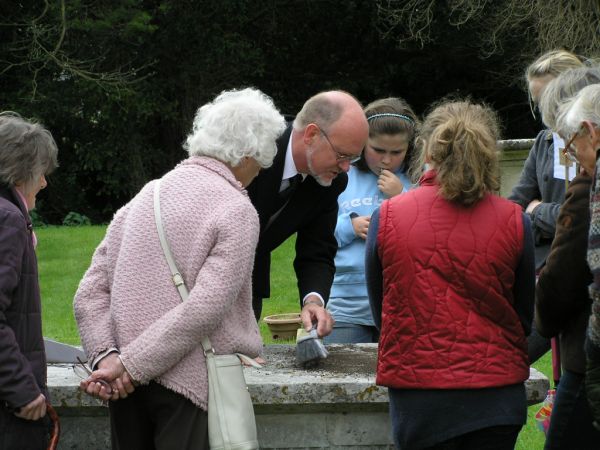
(285, 194)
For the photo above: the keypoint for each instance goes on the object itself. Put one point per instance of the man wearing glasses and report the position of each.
(298, 194)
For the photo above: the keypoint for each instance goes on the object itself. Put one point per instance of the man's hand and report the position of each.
(313, 312)
(34, 410)
(389, 184)
(361, 226)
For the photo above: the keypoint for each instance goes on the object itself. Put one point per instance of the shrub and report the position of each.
(36, 219)
(74, 219)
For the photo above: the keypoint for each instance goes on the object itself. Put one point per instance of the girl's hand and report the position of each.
(361, 226)
(389, 184)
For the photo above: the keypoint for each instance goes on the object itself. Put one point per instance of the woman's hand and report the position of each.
(34, 410)
(389, 184)
(531, 206)
(361, 226)
(110, 382)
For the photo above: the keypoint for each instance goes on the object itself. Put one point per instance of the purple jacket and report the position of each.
(22, 355)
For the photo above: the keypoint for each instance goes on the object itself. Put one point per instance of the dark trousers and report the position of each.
(257, 303)
(501, 437)
(571, 421)
(21, 434)
(154, 417)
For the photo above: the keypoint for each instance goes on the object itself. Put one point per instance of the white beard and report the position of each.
(318, 179)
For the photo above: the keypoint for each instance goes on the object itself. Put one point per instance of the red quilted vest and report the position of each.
(448, 274)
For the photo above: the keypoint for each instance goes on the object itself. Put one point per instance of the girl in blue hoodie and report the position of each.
(386, 168)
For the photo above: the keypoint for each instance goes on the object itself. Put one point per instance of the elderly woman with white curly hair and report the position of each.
(139, 335)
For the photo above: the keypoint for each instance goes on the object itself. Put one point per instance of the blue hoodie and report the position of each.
(348, 301)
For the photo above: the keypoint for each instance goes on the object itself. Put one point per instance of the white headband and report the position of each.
(401, 116)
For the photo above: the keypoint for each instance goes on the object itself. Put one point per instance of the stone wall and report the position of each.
(514, 154)
(336, 405)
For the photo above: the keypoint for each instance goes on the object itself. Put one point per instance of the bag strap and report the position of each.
(176, 276)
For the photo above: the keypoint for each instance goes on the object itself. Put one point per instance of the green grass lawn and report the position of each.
(64, 253)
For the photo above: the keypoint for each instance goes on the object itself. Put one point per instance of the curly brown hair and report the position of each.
(459, 139)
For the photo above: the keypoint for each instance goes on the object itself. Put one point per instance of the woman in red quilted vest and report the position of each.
(451, 279)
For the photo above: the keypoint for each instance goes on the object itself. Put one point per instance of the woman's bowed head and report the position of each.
(578, 124)
(239, 128)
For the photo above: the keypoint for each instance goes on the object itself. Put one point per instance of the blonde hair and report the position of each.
(459, 140)
(553, 63)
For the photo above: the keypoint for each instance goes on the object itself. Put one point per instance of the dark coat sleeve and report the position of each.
(524, 289)
(561, 291)
(316, 245)
(528, 188)
(18, 385)
(373, 270)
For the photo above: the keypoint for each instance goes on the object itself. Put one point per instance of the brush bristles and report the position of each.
(310, 350)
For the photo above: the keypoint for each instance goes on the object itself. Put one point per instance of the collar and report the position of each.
(25, 210)
(428, 178)
(214, 165)
(22, 198)
(289, 167)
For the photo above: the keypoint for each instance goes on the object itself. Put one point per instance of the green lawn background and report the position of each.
(64, 253)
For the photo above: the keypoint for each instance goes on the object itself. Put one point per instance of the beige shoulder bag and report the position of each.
(231, 423)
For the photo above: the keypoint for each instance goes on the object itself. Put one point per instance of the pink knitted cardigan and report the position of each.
(127, 300)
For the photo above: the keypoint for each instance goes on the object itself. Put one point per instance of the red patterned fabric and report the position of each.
(448, 274)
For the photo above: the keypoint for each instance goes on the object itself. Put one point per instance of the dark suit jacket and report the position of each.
(311, 213)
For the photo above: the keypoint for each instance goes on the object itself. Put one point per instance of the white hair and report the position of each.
(583, 106)
(563, 87)
(237, 124)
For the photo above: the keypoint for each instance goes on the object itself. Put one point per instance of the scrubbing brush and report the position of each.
(309, 348)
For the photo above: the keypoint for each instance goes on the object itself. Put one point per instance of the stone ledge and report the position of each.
(336, 405)
(515, 144)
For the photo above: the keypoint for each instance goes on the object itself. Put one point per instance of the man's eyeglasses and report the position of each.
(340, 157)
